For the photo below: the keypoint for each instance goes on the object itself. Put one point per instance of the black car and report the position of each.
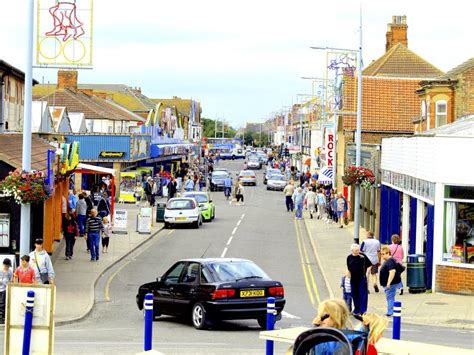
(216, 180)
(209, 290)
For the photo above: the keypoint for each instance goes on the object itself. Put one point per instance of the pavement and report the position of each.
(76, 278)
(332, 246)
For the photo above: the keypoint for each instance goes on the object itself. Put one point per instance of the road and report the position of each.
(260, 230)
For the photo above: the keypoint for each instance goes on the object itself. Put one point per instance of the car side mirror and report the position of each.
(210, 201)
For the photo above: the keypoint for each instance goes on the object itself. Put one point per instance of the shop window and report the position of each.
(459, 232)
(441, 113)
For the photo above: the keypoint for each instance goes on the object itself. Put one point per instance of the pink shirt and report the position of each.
(396, 251)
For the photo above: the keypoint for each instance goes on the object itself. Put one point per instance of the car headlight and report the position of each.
(204, 208)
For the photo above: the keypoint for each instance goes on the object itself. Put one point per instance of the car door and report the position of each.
(165, 290)
(186, 290)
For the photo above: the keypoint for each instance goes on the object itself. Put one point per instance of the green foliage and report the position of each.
(209, 126)
(256, 139)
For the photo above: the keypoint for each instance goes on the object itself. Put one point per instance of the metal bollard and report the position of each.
(148, 306)
(397, 320)
(271, 313)
(30, 302)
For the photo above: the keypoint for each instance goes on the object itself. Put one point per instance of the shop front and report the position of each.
(428, 194)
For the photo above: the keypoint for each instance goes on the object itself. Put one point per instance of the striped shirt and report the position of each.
(94, 225)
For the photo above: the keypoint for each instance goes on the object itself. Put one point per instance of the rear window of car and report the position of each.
(276, 177)
(253, 158)
(247, 173)
(231, 271)
(180, 205)
(200, 198)
(219, 174)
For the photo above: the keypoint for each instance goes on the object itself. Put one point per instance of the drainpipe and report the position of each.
(2, 103)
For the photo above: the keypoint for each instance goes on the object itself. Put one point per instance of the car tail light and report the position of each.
(276, 291)
(224, 293)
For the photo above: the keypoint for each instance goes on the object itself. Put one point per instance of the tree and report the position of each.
(209, 126)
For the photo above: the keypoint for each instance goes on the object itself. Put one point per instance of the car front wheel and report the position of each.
(199, 317)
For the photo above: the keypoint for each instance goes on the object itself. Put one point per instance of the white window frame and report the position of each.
(438, 114)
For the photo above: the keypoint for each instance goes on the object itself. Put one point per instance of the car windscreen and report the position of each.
(236, 270)
(200, 198)
(180, 205)
(253, 158)
(219, 174)
(277, 177)
(273, 172)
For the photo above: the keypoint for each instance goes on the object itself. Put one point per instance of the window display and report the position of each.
(459, 232)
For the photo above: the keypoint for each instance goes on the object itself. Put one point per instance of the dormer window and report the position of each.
(441, 113)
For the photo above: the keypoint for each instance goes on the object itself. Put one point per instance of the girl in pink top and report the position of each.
(396, 251)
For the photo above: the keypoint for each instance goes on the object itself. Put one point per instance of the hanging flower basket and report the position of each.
(359, 176)
(24, 187)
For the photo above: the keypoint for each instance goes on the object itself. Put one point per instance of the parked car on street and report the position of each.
(217, 180)
(270, 171)
(182, 210)
(248, 177)
(254, 162)
(213, 289)
(276, 182)
(208, 208)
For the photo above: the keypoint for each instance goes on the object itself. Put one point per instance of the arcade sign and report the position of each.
(105, 154)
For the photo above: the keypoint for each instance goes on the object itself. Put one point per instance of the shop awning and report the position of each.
(95, 168)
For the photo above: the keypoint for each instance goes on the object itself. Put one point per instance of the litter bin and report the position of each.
(416, 269)
(160, 211)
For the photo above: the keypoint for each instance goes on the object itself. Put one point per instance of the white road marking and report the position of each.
(238, 223)
(230, 239)
(243, 215)
(288, 315)
(235, 230)
(224, 252)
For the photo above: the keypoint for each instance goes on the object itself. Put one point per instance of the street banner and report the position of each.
(329, 152)
(120, 222)
(144, 220)
(64, 33)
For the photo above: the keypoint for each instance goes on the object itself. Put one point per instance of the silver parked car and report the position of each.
(276, 182)
(248, 177)
(254, 163)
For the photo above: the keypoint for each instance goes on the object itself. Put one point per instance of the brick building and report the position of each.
(389, 105)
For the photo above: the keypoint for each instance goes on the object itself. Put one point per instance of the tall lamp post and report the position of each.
(358, 125)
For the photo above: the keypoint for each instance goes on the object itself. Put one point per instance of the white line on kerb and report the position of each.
(243, 215)
(224, 252)
(238, 223)
(235, 230)
(230, 239)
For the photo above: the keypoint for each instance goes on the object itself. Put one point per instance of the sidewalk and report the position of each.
(332, 246)
(76, 278)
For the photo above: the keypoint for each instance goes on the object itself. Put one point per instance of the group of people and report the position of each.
(367, 263)
(87, 216)
(35, 268)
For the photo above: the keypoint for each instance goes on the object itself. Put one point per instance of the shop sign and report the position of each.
(120, 221)
(329, 145)
(410, 184)
(105, 154)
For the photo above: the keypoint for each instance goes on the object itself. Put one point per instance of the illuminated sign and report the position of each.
(111, 154)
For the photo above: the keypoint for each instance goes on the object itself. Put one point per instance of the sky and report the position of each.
(242, 60)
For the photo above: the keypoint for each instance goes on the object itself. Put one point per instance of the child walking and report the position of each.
(106, 234)
(346, 291)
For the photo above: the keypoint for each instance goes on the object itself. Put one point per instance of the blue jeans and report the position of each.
(348, 299)
(390, 295)
(227, 191)
(94, 241)
(289, 203)
(81, 219)
(299, 210)
(359, 295)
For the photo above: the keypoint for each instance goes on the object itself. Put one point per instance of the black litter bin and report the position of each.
(160, 211)
(416, 269)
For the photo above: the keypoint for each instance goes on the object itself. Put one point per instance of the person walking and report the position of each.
(321, 198)
(81, 211)
(94, 226)
(41, 264)
(341, 208)
(72, 201)
(148, 189)
(137, 193)
(239, 193)
(189, 184)
(24, 274)
(371, 248)
(103, 206)
(397, 252)
(389, 278)
(6, 276)
(298, 200)
(289, 191)
(357, 266)
(70, 232)
(346, 290)
(310, 202)
(227, 186)
(172, 188)
(106, 234)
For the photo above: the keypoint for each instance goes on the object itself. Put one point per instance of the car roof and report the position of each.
(181, 198)
(214, 260)
(189, 193)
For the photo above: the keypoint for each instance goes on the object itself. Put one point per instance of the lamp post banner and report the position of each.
(64, 33)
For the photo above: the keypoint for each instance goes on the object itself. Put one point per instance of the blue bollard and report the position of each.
(271, 313)
(397, 320)
(148, 306)
(30, 302)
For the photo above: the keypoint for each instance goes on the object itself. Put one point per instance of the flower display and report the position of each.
(358, 175)
(24, 187)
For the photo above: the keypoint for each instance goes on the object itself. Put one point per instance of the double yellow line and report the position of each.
(307, 271)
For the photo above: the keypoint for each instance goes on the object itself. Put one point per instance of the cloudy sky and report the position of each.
(243, 59)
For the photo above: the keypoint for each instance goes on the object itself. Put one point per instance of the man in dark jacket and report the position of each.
(172, 188)
(149, 191)
(357, 265)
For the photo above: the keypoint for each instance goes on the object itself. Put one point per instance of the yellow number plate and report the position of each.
(252, 293)
(181, 218)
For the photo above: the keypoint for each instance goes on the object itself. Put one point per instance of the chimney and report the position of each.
(397, 32)
(67, 79)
